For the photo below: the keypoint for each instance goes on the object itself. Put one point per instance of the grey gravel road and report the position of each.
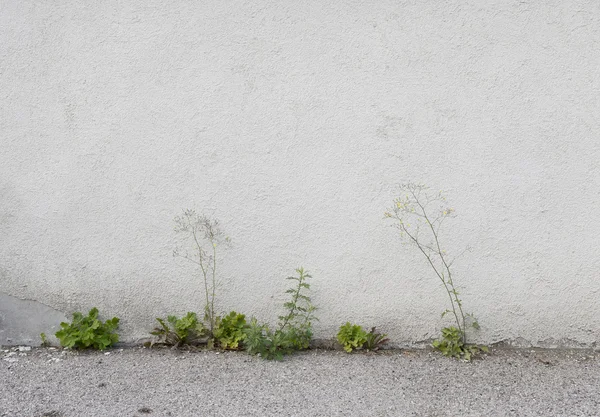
(142, 382)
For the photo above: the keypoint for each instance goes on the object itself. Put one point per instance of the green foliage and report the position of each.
(452, 345)
(88, 332)
(176, 332)
(45, 342)
(351, 336)
(230, 331)
(375, 340)
(294, 331)
(297, 323)
(267, 343)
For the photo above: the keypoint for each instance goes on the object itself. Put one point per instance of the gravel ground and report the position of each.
(162, 382)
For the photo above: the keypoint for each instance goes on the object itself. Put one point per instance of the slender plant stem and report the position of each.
(440, 275)
(294, 301)
(202, 230)
(214, 285)
(202, 267)
(439, 252)
(209, 298)
(416, 204)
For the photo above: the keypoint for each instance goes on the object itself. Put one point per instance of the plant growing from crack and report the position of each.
(176, 332)
(300, 311)
(419, 215)
(230, 332)
(205, 237)
(353, 337)
(294, 330)
(86, 332)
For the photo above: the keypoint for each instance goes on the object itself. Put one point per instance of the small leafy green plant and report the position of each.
(297, 323)
(267, 343)
(294, 330)
(375, 340)
(230, 332)
(86, 332)
(452, 345)
(45, 342)
(176, 332)
(351, 337)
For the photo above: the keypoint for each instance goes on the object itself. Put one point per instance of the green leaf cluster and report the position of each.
(230, 331)
(452, 345)
(375, 340)
(267, 343)
(351, 336)
(187, 330)
(294, 331)
(88, 332)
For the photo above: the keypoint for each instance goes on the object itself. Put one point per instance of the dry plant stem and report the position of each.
(443, 273)
(440, 253)
(214, 288)
(209, 305)
(201, 230)
(440, 275)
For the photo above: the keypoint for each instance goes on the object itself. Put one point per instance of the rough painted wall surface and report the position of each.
(293, 122)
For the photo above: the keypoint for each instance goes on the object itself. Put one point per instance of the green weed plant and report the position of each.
(294, 330)
(419, 215)
(88, 332)
(179, 331)
(230, 332)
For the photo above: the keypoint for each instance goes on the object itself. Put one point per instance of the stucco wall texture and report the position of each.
(293, 123)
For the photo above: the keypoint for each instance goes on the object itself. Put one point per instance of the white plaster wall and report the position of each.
(293, 122)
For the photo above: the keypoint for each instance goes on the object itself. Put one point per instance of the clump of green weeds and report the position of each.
(205, 237)
(353, 336)
(419, 215)
(86, 332)
(265, 342)
(452, 345)
(177, 332)
(294, 330)
(230, 332)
